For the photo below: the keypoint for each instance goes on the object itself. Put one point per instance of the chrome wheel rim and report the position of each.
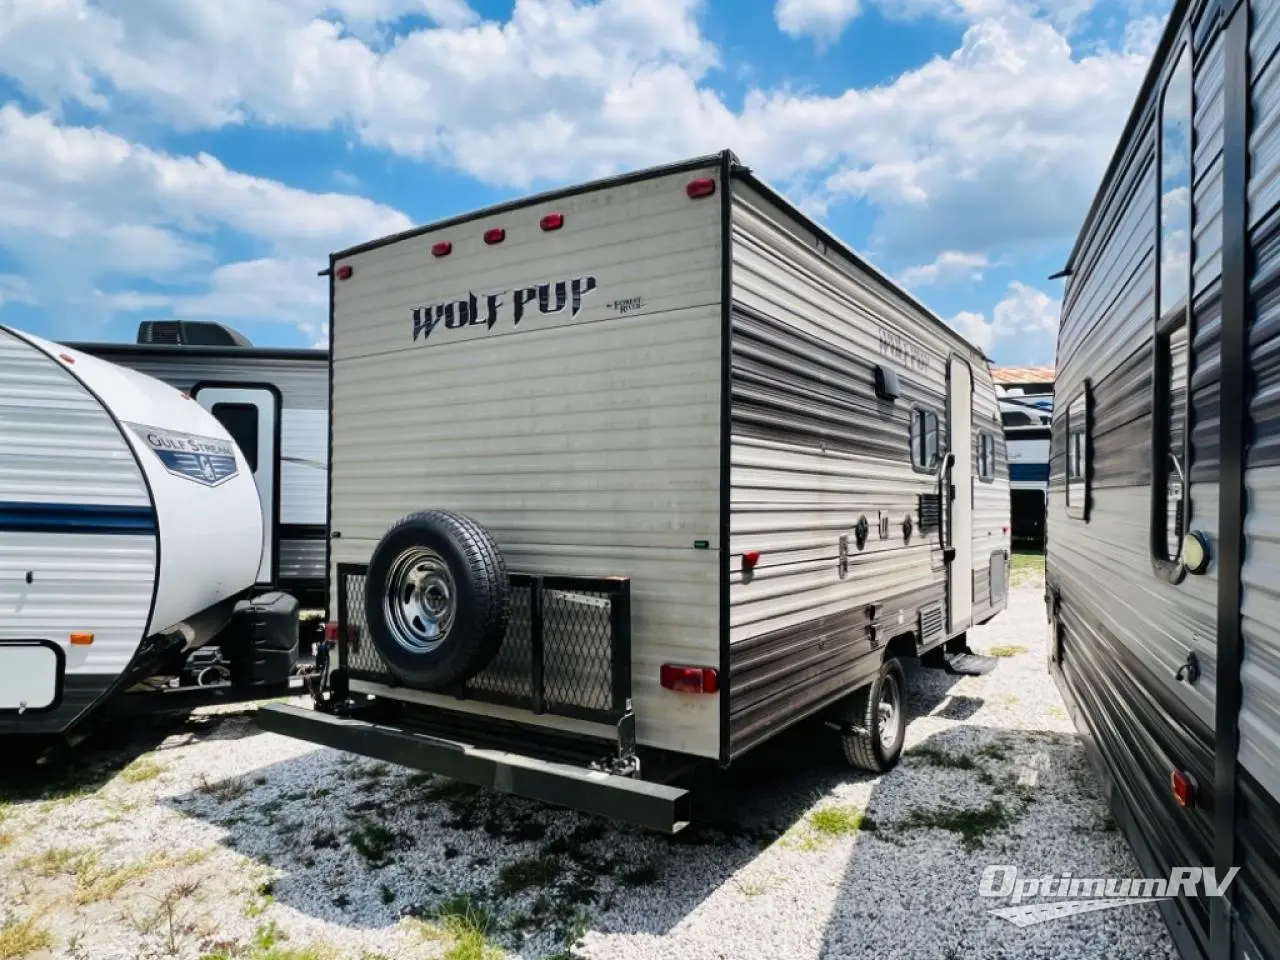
(421, 600)
(890, 710)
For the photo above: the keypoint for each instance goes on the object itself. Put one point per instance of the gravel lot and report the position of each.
(208, 839)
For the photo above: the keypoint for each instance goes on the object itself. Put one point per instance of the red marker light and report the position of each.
(495, 235)
(1184, 789)
(552, 221)
(345, 271)
(702, 187)
(689, 679)
(750, 559)
(67, 357)
(441, 249)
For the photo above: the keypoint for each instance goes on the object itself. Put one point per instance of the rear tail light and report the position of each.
(345, 271)
(441, 249)
(496, 235)
(552, 221)
(690, 679)
(702, 187)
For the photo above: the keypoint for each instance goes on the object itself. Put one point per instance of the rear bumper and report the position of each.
(655, 806)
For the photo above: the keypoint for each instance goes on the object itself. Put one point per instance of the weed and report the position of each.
(524, 874)
(374, 842)
(71, 861)
(1007, 651)
(325, 840)
(451, 852)
(224, 791)
(942, 758)
(840, 821)
(18, 938)
(260, 781)
(95, 885)
(6, 840)
(994, 751)
(141, 770)
(973, 824)
(465, 924)
(387, 894)
(645, 876)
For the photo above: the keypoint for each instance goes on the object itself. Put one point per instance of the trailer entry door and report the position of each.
(958, 494)
(251, 414)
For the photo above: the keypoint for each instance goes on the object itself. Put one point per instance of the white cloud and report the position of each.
(1024, 311)
(16, 289)
(79, 205)
(824, 20)
(951, 266)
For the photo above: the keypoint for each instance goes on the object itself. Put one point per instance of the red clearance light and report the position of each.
(496, 235)
(552, 221)
(750, 559)
(441, 249)
(345, 271)
(1184, 788)
(702, 187)
(67, 357)
(690, 679)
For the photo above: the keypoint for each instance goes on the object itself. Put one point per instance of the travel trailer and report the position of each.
(273, 401)
(1026, 409)
(130, 535)
(629, 477)
(1164, 500)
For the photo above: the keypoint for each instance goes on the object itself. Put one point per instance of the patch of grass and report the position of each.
(645, 876)
(1007, 651)
(224, 791)
(374, 842)
(840, 821)
(524, 874)
(70, 861)
(19, 938)
(267, 944)
(6, 840)
(141, 770)
(1026, 568)
(942, 758)
(994, 751)
(387, 895)
(95, 885)
(465, 924)
(972, 824)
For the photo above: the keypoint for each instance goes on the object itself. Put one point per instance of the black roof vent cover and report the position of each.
(192, 333)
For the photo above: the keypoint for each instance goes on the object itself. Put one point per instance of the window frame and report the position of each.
(1080, 408)
(1163, 329)
(987, 456)
(921, 411)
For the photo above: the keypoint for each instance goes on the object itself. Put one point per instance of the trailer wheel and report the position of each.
(436, 599)
(877, 719)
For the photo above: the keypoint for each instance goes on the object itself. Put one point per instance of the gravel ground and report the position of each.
(209, 840)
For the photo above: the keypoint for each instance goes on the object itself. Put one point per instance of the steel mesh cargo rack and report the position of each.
(567, 650)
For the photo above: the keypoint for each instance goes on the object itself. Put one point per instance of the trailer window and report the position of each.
(241, 421)
(924, 440)
(986, 457)
(1078, 457)
(1172, 330)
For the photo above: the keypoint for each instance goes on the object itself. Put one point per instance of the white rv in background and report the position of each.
(130, 533)
(1026, 411)
(274, 403)
(636, 475)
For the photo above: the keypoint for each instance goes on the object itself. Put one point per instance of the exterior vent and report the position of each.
(930, 511)
(191, 333)
(930, 623)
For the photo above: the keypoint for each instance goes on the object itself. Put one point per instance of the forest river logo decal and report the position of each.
(204, 460)
(486, 309)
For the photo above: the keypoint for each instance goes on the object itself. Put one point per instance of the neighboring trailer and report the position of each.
(684, 464)
(129, 529)
(1163, 570)
(274, 402)
(1026, 409)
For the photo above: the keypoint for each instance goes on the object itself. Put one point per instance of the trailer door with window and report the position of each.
(959, 492)
(251, 415)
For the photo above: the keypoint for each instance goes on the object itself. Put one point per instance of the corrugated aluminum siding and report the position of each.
(813, 451)
(588, 445)
(58, 445)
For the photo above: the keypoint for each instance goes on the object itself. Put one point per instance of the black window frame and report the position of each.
(1165, 325)
(250, 452)
(919, 413)
(1078, 483)
(986, 456)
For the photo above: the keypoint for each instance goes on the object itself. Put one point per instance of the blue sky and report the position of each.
(202, 158)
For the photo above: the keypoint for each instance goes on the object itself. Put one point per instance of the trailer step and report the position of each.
(968, 664)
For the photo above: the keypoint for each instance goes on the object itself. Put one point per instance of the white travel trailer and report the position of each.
(629, 477)
(130, 528)
(274, 403)
(1026, 410)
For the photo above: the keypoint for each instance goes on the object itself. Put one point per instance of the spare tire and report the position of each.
(437, 599)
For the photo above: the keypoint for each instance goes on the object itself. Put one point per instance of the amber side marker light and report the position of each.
(81, 639)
